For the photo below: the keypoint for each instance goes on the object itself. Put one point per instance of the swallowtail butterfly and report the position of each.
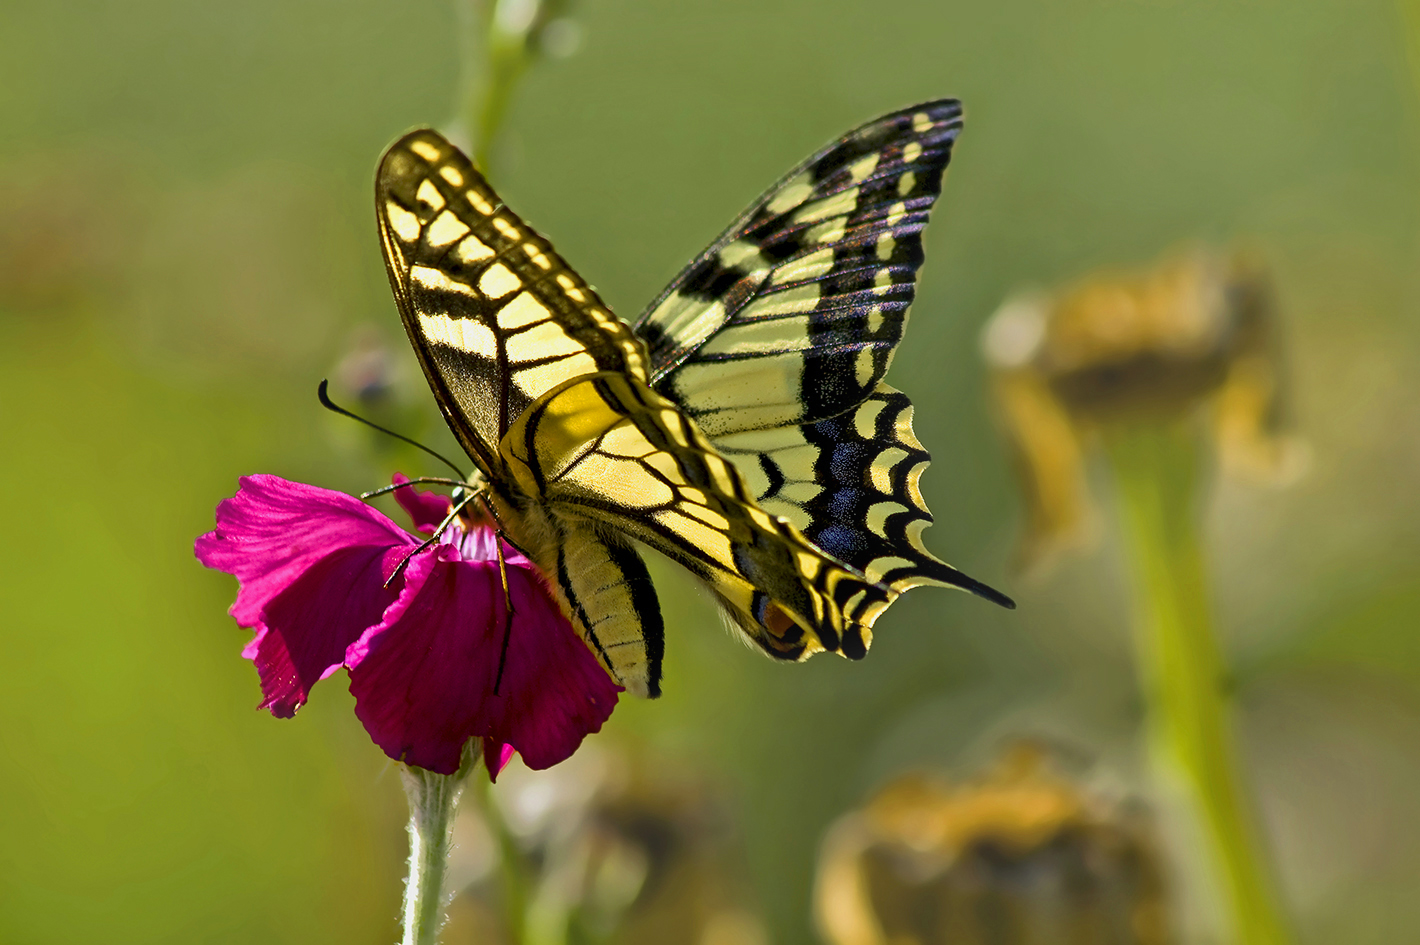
(740, 425)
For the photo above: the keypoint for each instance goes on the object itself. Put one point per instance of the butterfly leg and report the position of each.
(433, 480)
(448, 520)
(507, 611)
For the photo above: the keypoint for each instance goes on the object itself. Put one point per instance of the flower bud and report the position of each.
(1194, 336)
(1017, 858)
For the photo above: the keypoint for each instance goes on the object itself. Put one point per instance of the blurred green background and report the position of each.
(187, 246)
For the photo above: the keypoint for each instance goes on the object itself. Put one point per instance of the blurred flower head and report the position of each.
(367, 367)
(1194, 337)
(537, 26)
(613, 848)
(65, 232)
(1020, 856)
(425, 650)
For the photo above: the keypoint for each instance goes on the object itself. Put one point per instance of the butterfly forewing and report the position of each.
(607, 450)
(792, 315)
(495, 315)
(606, 591)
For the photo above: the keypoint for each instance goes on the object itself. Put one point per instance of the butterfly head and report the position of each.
(472, 512)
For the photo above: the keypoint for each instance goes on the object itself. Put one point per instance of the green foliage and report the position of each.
(141, 797)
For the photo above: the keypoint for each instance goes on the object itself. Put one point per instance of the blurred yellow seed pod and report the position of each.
(1019, 857)
(1196, 334)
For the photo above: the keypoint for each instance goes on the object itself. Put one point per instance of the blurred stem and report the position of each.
(1158, 469)
(433, 801)
(494, 59)
(1410, 24)
(513, 873)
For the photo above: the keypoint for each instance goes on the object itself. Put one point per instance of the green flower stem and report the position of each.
(494, 60)
(433, 801)
(1158, 468)
(512, 874)
(476, 85)
(1410, 23)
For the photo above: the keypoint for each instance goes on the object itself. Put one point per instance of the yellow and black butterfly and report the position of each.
(739, 426)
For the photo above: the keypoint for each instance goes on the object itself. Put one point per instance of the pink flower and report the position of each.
(424, 653)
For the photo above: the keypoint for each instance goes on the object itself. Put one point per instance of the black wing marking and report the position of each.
(608, 451)
(608, 594)
(495, 315)
(777, 337)
(792, 315)
(851, 485)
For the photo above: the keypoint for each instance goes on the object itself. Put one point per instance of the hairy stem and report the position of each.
(433, 801)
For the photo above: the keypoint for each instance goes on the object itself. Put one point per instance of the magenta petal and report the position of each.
(554, 691)
(478, 544)
(496, 756)
(427, 509)
(308, 626)
(424, 656)
(423, 681)
(272, 530)
(420, 679)
(281, 688)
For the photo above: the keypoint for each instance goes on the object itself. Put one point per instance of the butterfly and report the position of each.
(740, 425)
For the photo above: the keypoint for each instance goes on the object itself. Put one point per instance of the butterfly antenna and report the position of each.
(330, 405)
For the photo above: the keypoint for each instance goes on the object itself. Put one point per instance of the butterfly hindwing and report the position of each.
(608, 451)
(850, 484)
(606, 591)
(494, 314)
(792, 315)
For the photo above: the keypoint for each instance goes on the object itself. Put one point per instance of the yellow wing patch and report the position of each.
(851, 485)
(607, 449)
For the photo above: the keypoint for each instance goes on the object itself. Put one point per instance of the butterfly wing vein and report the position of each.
(740, 426)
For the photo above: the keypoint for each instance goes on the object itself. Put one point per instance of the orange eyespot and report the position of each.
(777, 620)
